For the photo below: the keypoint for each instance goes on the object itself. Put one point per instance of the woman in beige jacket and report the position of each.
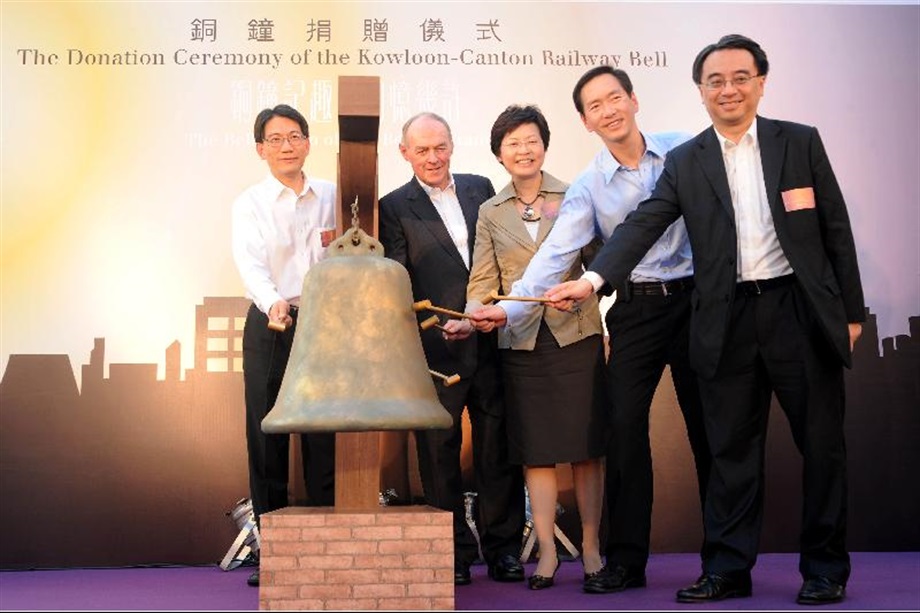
(552, 363)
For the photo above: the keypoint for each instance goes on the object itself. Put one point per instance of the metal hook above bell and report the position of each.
(357, 362)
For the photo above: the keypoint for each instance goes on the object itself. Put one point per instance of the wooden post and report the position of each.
(359, 125)
(366, 462)
(359, 555)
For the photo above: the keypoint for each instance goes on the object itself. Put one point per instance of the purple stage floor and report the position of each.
(880, 581)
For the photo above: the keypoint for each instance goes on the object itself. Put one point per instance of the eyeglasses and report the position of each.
(717, 83)
(275, 140)
(514, 145)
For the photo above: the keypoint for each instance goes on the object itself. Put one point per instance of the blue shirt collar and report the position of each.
(653, 146)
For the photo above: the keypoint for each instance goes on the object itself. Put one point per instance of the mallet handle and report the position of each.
(423, 305)
(448, 381)
(496, 296)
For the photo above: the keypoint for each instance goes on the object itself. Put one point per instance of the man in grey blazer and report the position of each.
(777, 306)
(428, 225)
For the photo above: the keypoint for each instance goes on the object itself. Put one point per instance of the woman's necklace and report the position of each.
(529, 214)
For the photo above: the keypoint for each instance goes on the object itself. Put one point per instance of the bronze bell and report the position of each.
(357, 362)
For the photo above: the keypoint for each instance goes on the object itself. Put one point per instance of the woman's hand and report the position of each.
(457, 329)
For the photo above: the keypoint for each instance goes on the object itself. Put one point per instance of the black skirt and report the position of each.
(554, 400)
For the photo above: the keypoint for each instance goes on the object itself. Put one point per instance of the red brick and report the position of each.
(353, 604)
(326, 561)
(324, 534)
(440, 546)
(274, 535)
(408, 516)
(365, 547)
(378, 561)
(296, 516)
(377, 533)
(444, 590)
(428, 532)
(429, 560)
(297, 548)
(357, 560)
(306, 575)
(291, 577)
(278, 562)
(353, 577)
(299, 604)
(351, 519)
(277, 592)
(405, 603)
(380, 590)
(405, 519)
(326, 591)
(441, 518)
(410, 575)
(412, 546)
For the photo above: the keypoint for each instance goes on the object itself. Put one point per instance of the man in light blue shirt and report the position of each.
(648, 324)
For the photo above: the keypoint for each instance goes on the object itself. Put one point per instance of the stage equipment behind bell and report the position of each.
(246, 544)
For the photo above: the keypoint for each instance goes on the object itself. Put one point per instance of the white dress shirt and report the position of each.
(448, 207)
(760, 255)
(277, 237)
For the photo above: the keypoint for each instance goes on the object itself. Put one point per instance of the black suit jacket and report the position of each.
(817, 241)
(413, 234)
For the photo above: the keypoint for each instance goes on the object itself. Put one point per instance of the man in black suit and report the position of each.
(777, 307)
(428, 225)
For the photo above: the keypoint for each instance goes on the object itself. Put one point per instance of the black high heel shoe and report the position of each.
(539, 582)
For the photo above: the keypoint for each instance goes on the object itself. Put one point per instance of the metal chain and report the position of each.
(355, 224)
(354, 214)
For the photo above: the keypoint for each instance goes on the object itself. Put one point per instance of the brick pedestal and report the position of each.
(385, 558)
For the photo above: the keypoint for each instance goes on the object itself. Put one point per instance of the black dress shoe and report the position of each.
(609, 580)
(539, 582)
(820, 590)
(507, 568)
(711, 587)
(462, 574)
(253, 579)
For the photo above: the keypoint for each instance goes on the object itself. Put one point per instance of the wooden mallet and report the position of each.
(277, 326)
(448, 381)
(425, 305)
(432, 322)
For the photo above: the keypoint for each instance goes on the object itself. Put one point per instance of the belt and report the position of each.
(756, 288)
(660, 288)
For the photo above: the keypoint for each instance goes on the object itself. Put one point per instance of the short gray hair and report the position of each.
(429, 115)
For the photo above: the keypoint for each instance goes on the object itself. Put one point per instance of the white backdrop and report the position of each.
(117, 178)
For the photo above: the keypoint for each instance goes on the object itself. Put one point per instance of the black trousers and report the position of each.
(774, 344)
(265, 356)
(646, 333)
(499, 484)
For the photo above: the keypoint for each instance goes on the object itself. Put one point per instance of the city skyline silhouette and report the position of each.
(131, 469)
